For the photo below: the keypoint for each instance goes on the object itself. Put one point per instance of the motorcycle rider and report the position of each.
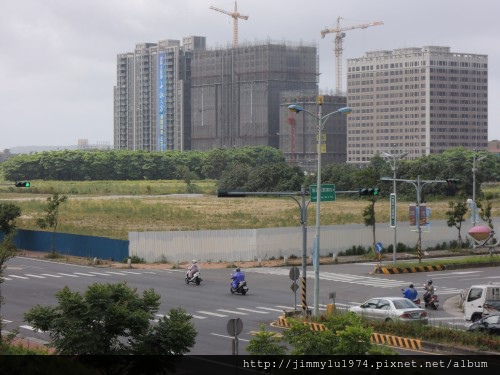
(193, 269)
(429, 291)
(237, 277)
(410, 293)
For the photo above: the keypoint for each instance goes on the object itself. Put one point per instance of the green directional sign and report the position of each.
(327, 193)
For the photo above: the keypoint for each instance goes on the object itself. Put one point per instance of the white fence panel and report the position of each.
(183, 246)
(253, 244)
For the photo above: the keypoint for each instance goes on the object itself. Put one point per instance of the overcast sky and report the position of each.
(58, 57)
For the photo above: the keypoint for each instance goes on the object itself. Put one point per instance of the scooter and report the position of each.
(431, 300)
(416, 301)
(241, 288)
(196, 279)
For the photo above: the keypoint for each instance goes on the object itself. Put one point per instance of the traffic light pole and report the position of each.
(303, 222)
(418, 184)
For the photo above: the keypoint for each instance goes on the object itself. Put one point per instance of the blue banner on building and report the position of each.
(162, 94)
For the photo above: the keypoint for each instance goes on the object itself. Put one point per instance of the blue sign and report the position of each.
(379, 247)
(161, 130)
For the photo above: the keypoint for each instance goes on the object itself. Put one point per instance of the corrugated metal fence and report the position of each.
(231, 245)
(253, 244)
(71, 244)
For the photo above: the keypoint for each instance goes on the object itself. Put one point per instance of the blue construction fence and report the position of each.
(71, 244)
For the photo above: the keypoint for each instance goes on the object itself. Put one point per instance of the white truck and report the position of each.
(481, 300)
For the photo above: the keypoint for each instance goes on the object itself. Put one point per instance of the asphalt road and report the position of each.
(33, 281)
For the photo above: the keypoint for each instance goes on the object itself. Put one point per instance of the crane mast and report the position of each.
(235, 15)
(339, 36)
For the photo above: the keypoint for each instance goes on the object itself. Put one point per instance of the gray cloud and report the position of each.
(57, 61)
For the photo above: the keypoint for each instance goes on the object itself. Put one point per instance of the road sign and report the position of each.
(234, 326)
(294, 287)
(294, 273)
(393, 210)
(379, 247)
(327, 193)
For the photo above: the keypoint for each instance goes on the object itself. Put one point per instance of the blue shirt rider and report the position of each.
(410, 293)
(237, 277)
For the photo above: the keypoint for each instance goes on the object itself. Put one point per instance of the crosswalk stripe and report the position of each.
(83, 274)
(6, 278)
(6, 321)
(67, 274)
(100, 273)
(132, 272)
(250, 310)
(35, 276)
(19, 277)
(211, 313)
(198, 316)
(232, 312)
(269, 308)
(116, 273)
(49, 275)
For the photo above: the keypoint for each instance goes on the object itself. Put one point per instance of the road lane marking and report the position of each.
(269, 308)
(254, 311)
(49, 275)
(116, 273)
(232, 312)
(35, 276)
(30, 328)
(229, 337)
(19, 277)
(198, 316)
(132, 272)
(6, 278)
(83, 274)
(67, 274)
(100, 273)
(213, 314)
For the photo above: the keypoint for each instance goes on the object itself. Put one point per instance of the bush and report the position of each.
(134, 259)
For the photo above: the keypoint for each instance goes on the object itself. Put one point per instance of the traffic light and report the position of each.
(23, 184)
(222, 193)
(452, 181)
(369, 192)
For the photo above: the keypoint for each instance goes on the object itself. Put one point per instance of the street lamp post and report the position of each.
(474, 169)
(321, 122)
(394, 158)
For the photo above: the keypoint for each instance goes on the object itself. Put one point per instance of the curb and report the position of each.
(396, 270)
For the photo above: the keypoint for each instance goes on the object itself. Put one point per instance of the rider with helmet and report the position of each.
(193, 268)
(237, 277)
(410, 293)
(429, 290)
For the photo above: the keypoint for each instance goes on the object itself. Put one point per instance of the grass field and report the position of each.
(114, 208)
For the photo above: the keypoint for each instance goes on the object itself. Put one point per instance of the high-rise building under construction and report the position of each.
(235, 92)
(170, 96)
(416, 100)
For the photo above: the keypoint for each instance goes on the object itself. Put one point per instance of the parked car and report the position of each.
(490, 324)
(390, 309)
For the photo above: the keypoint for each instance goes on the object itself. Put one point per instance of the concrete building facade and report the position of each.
(417, 100)
(151, 98)
(235, 92)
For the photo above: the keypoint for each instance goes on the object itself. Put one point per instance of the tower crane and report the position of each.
(235, 16)
(339, 35)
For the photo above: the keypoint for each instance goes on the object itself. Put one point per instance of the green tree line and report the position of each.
(252, 169)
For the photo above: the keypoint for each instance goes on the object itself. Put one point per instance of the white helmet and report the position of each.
(194, 261)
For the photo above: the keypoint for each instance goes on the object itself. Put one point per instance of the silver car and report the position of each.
(388, 309)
